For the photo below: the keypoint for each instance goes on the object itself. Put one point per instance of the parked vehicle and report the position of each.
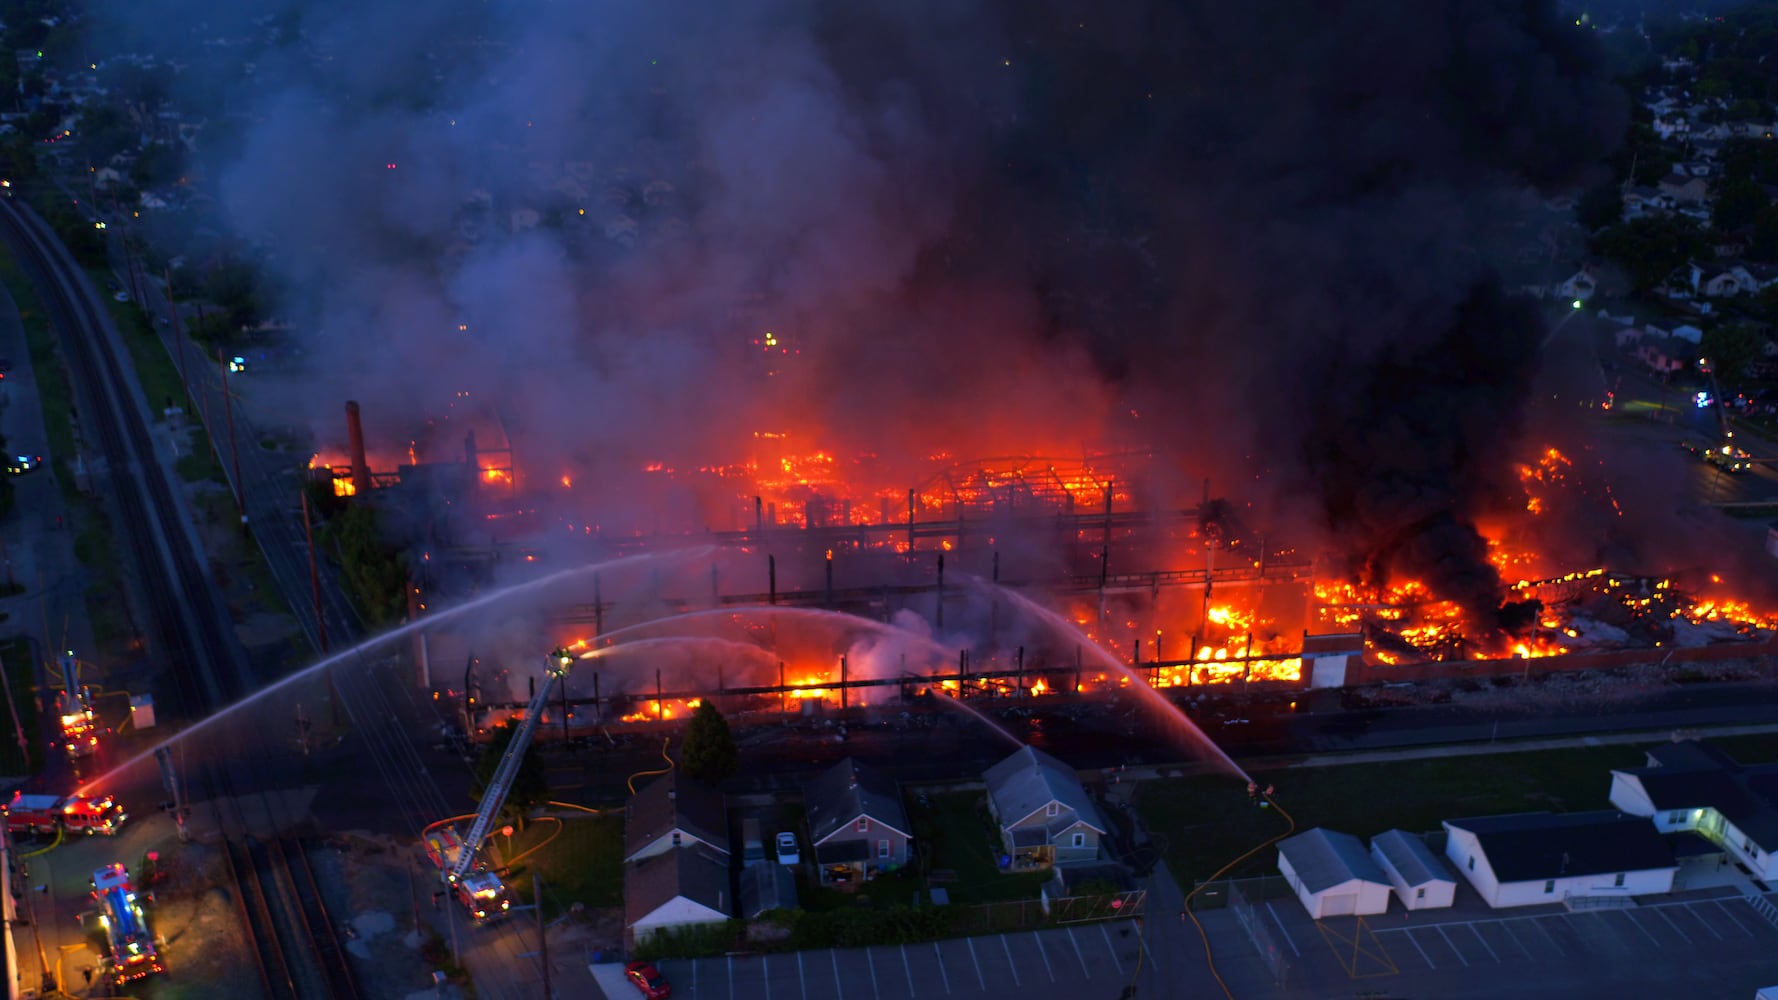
(787, 850)
(645, 977)
(45, 814)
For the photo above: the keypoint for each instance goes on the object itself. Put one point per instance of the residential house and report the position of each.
(1525, 859)
(1715, 282)
(1640, 201)
(674, 811)
(1421, 878)
(1689, 334)
(856, 821)
(1580, 286)
(1684, 190)
(1333, 874)
(682, 887)
(1044, 814)
(1659, 360)
(1696, 787)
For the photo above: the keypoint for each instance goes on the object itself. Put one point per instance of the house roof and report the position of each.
(1694, 775)
(1029, 780)
(695, 873)
(1325, 858)
(1526, 847)
(674, 802)
(838, 796)
(766, 885)
(1411, 858)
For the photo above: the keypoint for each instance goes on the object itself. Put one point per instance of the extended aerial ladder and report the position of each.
(556, 668)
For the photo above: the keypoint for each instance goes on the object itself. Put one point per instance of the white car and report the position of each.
(787, 852)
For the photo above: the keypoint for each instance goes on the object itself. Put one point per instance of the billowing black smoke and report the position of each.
(1258, 237)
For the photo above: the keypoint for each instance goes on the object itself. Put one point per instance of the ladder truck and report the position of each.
(80, 727)
(460, 865)
(128, 941)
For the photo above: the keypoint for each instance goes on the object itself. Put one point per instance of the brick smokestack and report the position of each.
(355, 441)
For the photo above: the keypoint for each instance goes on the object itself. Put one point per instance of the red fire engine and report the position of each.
(46, 814)
(132, 953)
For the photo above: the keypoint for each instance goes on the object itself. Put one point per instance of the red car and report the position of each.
(649, 980)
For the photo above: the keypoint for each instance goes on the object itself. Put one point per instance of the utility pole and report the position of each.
(178, 344)
(542, 933)
(314, 574)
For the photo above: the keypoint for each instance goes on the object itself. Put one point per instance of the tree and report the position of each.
(1651, 248)
(1738, 204)
(1732, 348)
(1764, 245)
(530, 785)
(374, 572)
(709, 753)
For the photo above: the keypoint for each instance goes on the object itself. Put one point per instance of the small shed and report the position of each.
(1422, 879)
(1333, 874)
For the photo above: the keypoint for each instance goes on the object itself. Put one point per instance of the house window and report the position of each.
(1080, 840)
(1619, 881)
(1051, 809)
(1420, 893)
(1472, 862)
(1549, 886)
(882, 849)
(1676, 816)
(675, 838)
(862, 826)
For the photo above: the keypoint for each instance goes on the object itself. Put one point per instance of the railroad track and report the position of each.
(280, 904)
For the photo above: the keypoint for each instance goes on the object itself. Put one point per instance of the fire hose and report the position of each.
(643, 774)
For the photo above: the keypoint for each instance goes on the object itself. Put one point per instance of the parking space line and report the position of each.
(1077, 954)
(694, 978)
(1707, 924)
(1282, 930)
(1537, 922)
(1410, 936)
(731, 977)
(976, 960)
(909, 969)
(765, 975)
(839, 991)
(1046, 955)
(875, 990)
(941, 967)
(1652, 939)
(1731, 916)
(1116, 961)
(1478, 936)
(1441, 933)
(1009, 962)
(801, 980)
(1507, 927)
(1670, 923)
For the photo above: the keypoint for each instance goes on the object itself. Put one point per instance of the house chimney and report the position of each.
(355, 442)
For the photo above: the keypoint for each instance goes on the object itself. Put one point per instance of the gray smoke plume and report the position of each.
(1255, 237)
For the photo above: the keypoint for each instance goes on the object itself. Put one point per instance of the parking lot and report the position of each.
(1057, 962)
(1716, 943)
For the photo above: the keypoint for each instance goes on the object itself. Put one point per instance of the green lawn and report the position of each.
(958, 837)
(585, 864)
(1207, 821)
(894, 889)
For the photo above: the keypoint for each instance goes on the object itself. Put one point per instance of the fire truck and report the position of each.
(458, 858)
(74, 705)
(129, 942)
(44, 814)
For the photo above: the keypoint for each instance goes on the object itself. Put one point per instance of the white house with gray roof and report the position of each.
(1043, 811)
(1333, 874)
(1422, 879)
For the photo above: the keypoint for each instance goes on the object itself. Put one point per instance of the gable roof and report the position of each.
(1411, 858)
(696, 873)
(838, 796)
(1695, 775)
(1325, 858)
(1029, 780)
(674, 802)
(1528, 847)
